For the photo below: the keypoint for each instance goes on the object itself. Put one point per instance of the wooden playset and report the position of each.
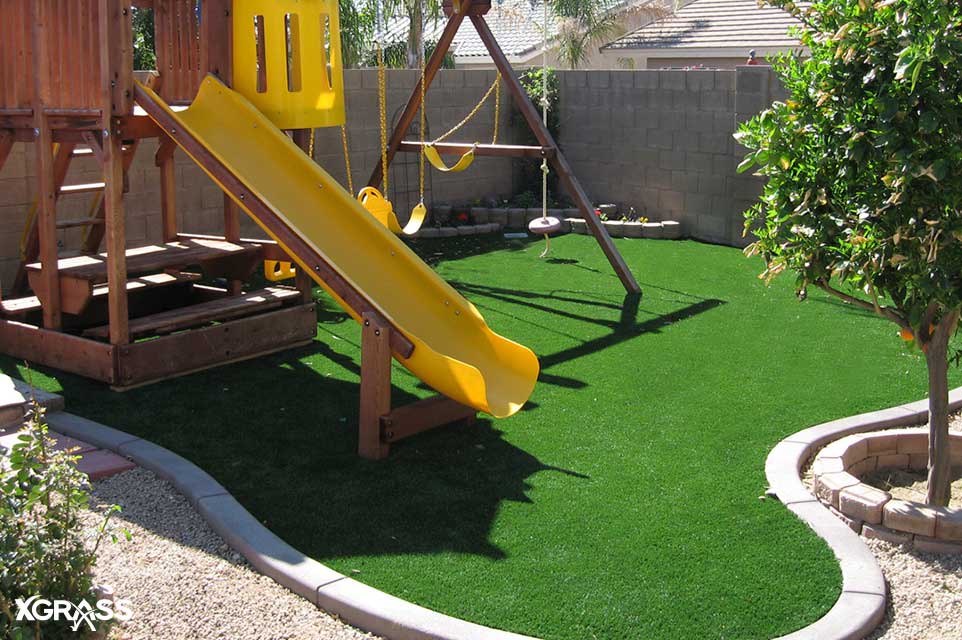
(240, 86)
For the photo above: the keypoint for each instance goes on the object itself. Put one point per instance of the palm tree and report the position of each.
(585, 23)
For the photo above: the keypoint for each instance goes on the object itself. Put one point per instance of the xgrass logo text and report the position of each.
(37, 609)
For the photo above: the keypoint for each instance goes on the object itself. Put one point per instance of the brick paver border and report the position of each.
(861, 605)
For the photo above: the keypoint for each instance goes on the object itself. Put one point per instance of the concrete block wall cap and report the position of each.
(861, 606)
(363, 606)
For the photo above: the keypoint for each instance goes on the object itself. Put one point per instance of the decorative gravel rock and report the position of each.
(183, 581)
(925, 594)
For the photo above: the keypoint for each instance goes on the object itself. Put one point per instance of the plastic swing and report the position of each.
(467, 158)
(373, 199)
(545, 225)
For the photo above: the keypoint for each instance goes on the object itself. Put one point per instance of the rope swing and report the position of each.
(545, 225)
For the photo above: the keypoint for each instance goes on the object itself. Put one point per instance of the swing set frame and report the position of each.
(475, 10)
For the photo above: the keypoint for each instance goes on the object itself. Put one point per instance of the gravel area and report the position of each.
(925, 594)
(925, 590)
(182, 579)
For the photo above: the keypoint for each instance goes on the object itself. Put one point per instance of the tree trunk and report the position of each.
(415, 43)
(940, 462)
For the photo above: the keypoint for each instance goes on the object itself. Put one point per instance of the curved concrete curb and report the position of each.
(858, 610)
(358, 604)
(861, 606)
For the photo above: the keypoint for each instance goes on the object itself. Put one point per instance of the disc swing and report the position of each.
(545, 225)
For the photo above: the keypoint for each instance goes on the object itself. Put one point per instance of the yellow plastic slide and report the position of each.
(454, 350)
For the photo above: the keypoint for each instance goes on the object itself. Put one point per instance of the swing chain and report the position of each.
(382, 107)
(347, 157)
(496, 89)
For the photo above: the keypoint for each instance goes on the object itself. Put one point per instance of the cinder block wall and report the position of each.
(200, 202)
(661, 141)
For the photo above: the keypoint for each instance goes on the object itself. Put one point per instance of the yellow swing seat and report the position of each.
(435, 159)
(383, 211)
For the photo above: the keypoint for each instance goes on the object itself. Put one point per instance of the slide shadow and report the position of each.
(282, 439)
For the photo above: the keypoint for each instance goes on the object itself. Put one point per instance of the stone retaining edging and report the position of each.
(861, 605)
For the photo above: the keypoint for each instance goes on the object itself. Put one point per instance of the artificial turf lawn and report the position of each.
(623, 502)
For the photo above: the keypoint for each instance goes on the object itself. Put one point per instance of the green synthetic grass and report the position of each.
(623, 502)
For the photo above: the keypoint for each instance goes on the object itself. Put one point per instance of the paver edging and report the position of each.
(356, 603)
(861, 605)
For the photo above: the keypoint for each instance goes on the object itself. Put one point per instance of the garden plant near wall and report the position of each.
(45, 552)
(864, 167)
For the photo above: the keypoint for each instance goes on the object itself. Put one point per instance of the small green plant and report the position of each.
(632, 216)
(44, 550)
(525, 200)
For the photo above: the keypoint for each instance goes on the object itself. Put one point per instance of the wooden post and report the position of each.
(375, 385)
(6, 144)
(164, 159)
(411, 109)
(114, 24)
(46, 187)
(217, 32)
(557, 160)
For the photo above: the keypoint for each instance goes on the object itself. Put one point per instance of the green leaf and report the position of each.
(746, 164)
(907, 58)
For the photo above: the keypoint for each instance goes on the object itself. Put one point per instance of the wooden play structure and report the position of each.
(475, 10)
(241, 84)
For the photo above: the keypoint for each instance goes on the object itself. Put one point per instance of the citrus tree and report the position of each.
(864, 167)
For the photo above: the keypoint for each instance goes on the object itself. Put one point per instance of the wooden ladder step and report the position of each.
(200, 314)
(158, 257)
(23, 306)
(79, 222)
(72, 189)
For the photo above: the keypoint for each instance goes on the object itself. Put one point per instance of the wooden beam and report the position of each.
(46, 182)
(58, 350)
(216, 36)
(411, 109)
(495, 150)
(558, 161)
(166, 357)
(168, 189)
(306, 256)
(423, 415)
(375, 386)
(6, 145)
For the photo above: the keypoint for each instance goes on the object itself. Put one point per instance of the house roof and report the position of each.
(735, 24)
(516, 24)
